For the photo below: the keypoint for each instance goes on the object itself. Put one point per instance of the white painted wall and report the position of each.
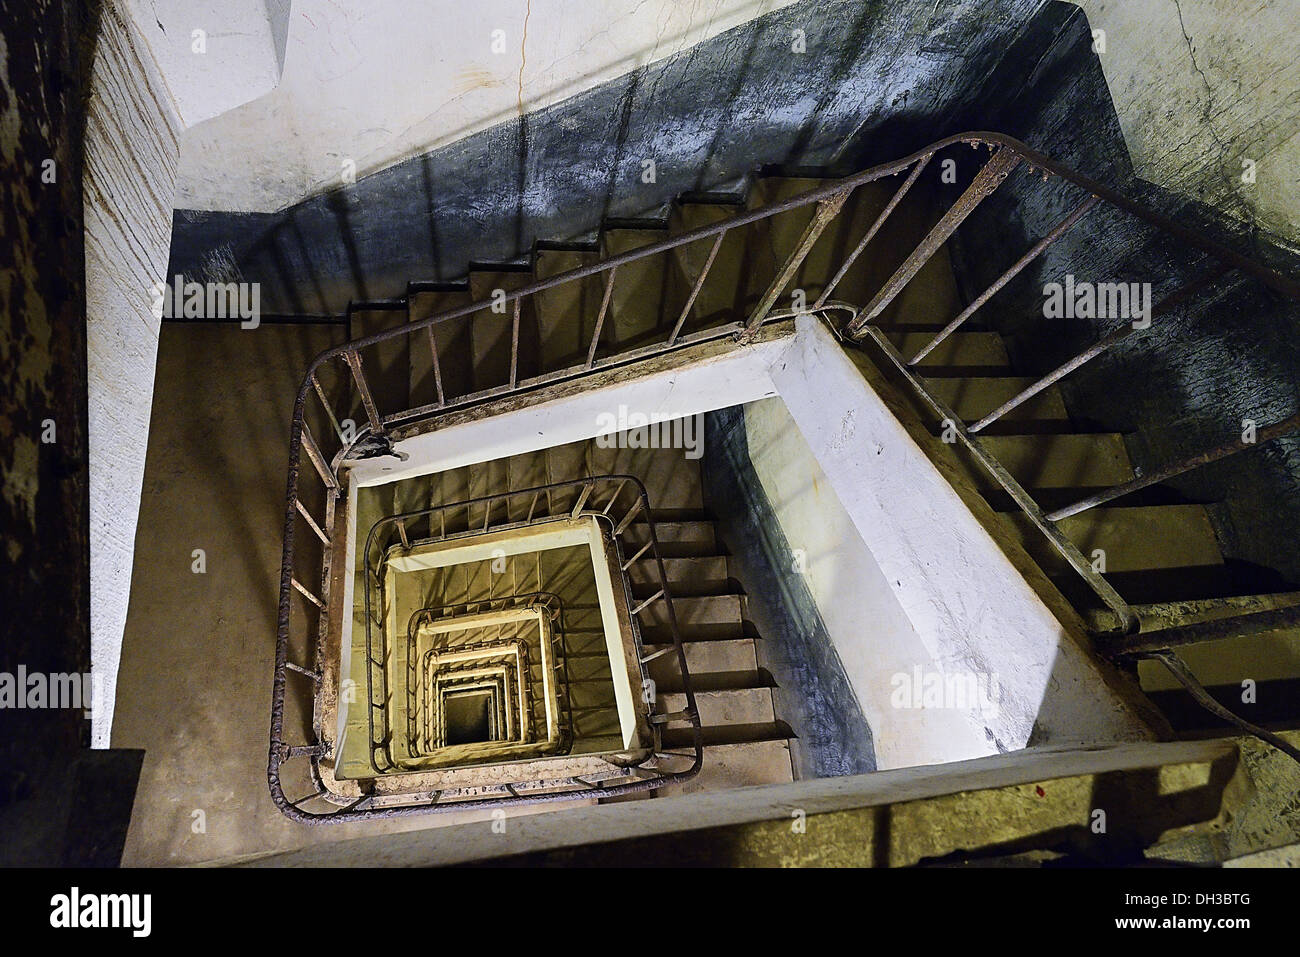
(376, 82)
(1201, 85)
(146, 84)
(971, 609)
(866, 622)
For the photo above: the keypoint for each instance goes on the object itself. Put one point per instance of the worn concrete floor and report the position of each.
(194, 689)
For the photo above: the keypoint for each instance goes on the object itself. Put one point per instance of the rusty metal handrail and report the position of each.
(1007, 155)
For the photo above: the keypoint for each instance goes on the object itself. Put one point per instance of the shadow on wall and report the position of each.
(812, 690)
(1190, 382)
(877, 79)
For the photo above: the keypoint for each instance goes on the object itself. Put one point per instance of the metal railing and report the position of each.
(601, 498)
(376, 436)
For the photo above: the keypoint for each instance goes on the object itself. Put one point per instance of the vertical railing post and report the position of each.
(600, 319)
(367, 400)
(437, 365)
(826, 211)
(988, 179)
(514, 345)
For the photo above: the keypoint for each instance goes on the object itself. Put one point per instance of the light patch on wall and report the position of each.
(1200, 86)
(381, 82)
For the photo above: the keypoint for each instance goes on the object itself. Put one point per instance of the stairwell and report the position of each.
(641, 294)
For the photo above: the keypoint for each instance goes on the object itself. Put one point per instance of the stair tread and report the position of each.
(1134, 539)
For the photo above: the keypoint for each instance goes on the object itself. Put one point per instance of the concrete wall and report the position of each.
(813, 692)
(876, 79)
(369, 84)
(149, 79)
(1200, 86)
(974, 613)
(869, 627)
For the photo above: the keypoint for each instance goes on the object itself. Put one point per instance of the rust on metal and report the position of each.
(1268, 433)
(1060, 230)
(990, 176)
(600, 318)
(1119, 334)
(437, 367)
(318, 460)
(826, 211)
(695, 290)
(875, 228)
(353, 360)
(1218, 629)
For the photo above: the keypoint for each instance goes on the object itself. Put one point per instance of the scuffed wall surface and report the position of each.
(370, 84)
(150, 78)
(44, 558)
(1185, 385)
(878, 79)
(215, 56)
(1199, 87)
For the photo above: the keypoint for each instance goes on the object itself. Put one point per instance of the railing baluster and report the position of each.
(699, 284)
(329, 411)
(1266, 434)
(308, 594)
(988, 179)
(302, 510)
(631, 514)
(367, 400)
(600, 319)
(1116, 335)
(875, 227)
(514, 345)
(1057, 232)
(437, 365)
(318, 460)
(826, 211)
(582, 500)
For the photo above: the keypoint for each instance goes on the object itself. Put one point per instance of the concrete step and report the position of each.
(982, 350)
(639, 302)
(676, 539)
(745, 764)
(492, 332)
(677, 737)
(1091, 460)
(455, 348)
(704, 575)
(697, 632)
(732, 656)
(1134, 539)
(566, 314)
(974, 398)
(706, 610)
(726, 706)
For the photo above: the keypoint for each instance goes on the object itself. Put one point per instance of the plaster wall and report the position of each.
(147, 82)
(367, 85)
(1202, 86)
(863, 616)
